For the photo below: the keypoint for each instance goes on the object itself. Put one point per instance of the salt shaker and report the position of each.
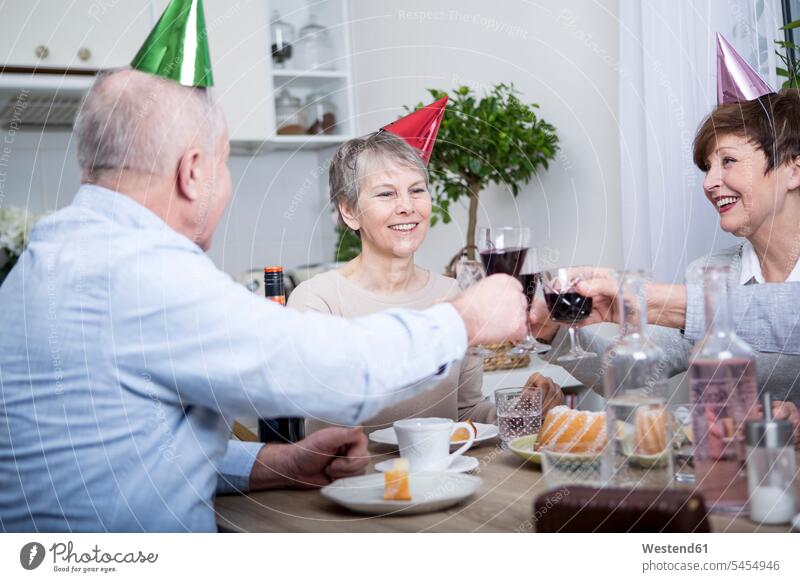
(770, 468)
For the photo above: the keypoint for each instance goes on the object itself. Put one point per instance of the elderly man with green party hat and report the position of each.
(126, 354)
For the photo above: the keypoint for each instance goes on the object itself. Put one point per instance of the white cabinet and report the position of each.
(80, 34)
(86, 35)
(326, 77)
(247, 83)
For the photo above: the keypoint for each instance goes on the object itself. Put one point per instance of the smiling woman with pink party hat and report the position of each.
(379, 186)
(749, 149)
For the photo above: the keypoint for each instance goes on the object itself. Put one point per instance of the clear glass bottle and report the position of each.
(289, 116)
(320, 114)
(639, 451)
(314, 46)
(723, 390)
(282, 39)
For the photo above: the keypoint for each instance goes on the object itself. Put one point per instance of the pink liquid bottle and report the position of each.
(723, 391)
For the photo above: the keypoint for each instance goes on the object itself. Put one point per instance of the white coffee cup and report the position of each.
(425, 442)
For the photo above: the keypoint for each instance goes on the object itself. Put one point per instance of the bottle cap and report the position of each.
(769, 433)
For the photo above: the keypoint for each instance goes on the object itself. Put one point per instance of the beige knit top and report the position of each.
(458, 396)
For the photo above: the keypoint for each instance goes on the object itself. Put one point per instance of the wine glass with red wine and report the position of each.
(468, 273)
(567, 306)
(529, 277)
(503, 249)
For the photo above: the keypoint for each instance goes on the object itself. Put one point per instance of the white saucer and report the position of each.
(387, 436)
(460, 464)
(429, 492)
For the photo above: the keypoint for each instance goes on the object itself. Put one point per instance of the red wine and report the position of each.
(568, 307)
(507, 261)
(528, 281)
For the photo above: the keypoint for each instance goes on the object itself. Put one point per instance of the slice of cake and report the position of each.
(395, 482)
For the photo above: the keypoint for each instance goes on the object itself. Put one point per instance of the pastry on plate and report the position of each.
(573, 431)
(460, 434)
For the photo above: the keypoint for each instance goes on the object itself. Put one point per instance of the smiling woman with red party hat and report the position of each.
(379, 188)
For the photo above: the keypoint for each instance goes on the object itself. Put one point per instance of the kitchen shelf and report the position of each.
(312, 74)
(288, 143)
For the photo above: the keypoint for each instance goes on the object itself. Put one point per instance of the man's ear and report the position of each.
(349, 216)
(189, 174)
(794, 177)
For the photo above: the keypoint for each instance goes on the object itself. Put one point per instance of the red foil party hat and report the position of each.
(736, 80)
(419, 128)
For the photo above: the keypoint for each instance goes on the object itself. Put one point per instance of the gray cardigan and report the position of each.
(778, 373)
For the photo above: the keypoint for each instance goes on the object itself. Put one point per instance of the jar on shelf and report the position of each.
(289, 116)
(320, 114)
(314, 47)
(282, 38)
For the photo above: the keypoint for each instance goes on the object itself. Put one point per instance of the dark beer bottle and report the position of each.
(278, 430)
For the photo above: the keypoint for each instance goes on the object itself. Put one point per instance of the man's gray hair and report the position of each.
(139, 122)
(355, 156)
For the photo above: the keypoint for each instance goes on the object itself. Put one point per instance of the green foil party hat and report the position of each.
(177, 48)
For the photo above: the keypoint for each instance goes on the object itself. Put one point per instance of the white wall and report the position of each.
(559, 54)
(562, 55)
(277, 215)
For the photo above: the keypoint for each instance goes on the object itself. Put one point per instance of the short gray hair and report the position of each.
(352, 158)
(135, 121)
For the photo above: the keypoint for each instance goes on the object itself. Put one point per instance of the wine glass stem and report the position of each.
(573, 340)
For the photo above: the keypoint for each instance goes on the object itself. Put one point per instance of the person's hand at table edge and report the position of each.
(551, 392)
(323, 456)
(493, 310)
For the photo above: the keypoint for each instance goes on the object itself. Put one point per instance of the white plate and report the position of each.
(387, 436)
(460, 464)
(429, 492)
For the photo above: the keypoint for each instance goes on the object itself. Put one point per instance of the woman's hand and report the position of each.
(784, 410)
(542, 327)
(551, 392)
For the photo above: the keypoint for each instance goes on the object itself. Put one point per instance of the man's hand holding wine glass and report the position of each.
(493, 310)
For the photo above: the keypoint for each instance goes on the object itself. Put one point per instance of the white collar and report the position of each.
(751, 268)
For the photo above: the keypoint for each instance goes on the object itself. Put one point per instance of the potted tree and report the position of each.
(495, 139)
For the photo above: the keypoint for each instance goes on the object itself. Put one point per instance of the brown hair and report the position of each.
(771, 123)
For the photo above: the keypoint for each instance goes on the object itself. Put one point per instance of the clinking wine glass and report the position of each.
(503, 249)
(529, 277)
(468, 273)
(567, 306)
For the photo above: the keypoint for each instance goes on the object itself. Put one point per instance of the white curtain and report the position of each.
(667, 86)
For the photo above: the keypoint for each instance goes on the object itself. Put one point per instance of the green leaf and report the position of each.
(792, 25)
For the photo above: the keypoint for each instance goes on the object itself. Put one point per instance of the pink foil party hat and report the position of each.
(736, 80)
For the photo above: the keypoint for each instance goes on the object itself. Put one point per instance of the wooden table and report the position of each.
(504, 503)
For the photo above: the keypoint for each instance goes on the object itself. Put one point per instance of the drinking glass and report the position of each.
(682, 445)
(567, 306)
(529, 277)
(468, 273)
(563, 469)
(503, 249)
(519, 412)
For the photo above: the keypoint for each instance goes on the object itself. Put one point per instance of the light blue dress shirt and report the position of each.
(125, 354)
